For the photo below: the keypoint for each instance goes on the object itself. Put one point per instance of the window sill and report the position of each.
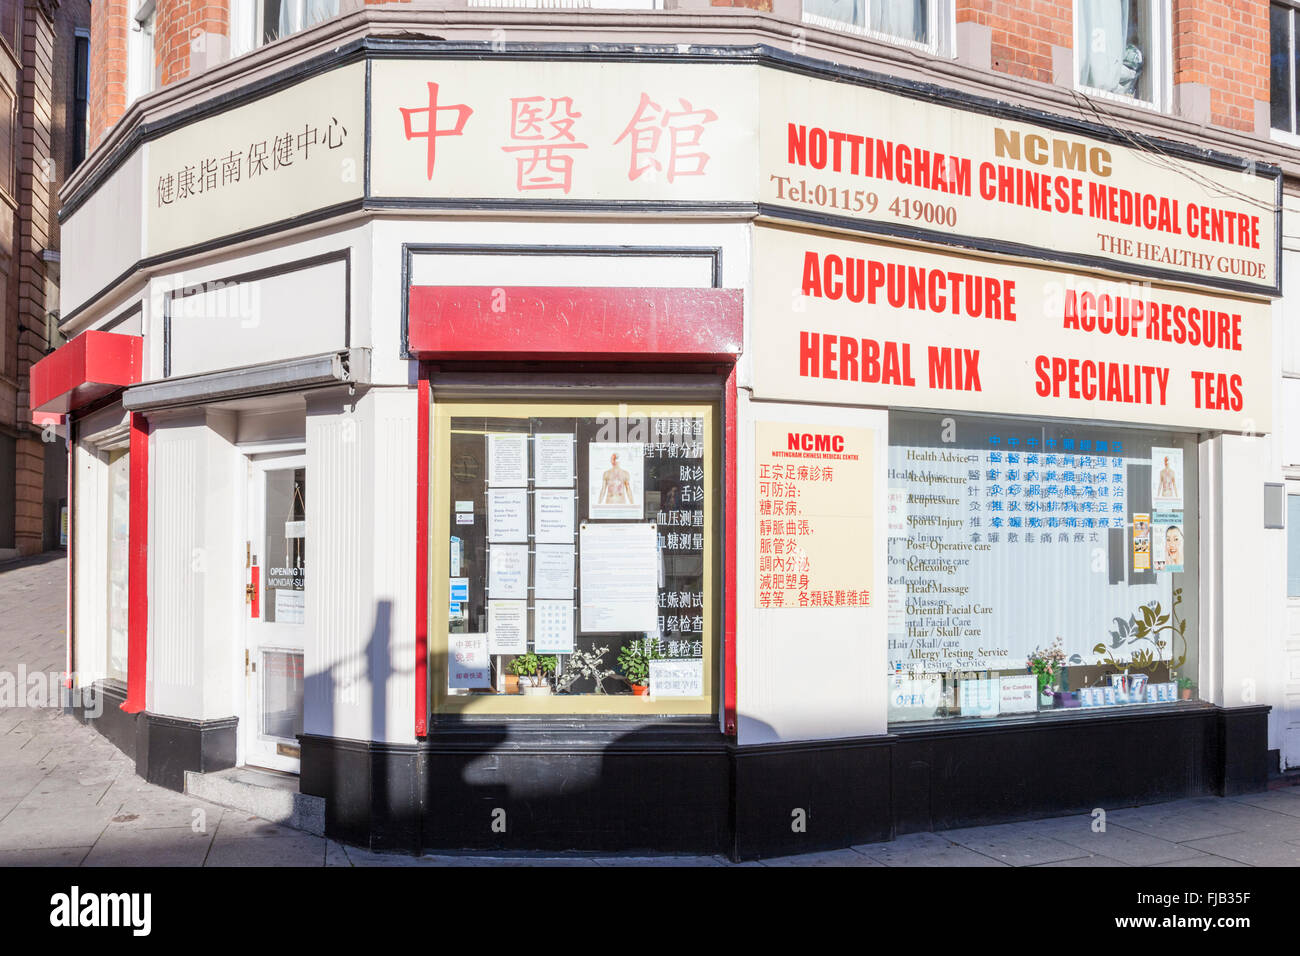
(852, 29)
(1041, 717)
(1121, 98)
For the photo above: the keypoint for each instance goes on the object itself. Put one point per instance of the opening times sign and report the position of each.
(869, 323)
(813, 502)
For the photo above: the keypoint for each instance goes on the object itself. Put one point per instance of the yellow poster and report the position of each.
(1141, 541)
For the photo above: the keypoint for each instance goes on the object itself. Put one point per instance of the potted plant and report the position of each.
(533, 671)
(1185, 687)
(1048, 666)
(634, 660)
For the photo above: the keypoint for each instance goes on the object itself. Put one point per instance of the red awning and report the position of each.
(644, 324)
(90, 366)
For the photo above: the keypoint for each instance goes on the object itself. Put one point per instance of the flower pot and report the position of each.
(535, 690)
(1186, 693)
(641, 690)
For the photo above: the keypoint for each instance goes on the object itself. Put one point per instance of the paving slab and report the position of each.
(122, 845)
(825, 858)
(1116, 842)
(924, 849)
(300, 850)
(1013, 844)
(1253, 849)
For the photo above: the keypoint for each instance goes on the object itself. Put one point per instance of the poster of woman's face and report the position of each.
(1169, 544)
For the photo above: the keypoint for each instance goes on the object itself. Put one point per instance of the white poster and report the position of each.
(553, 460)
(507, 514)
(979, 698)
(508, 571)
(620, 576)
(1166, 479)
(290, 606)
(616, 480)
(467, 664)
(553, 627)
(507, 460)
(553, 516)
(507, 627)
(1017, 694)
(553, 572)
(677, 677)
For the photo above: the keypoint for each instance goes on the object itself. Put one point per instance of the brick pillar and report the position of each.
(190, 36)
(109, 27)
(36, 171)
(1221, 63)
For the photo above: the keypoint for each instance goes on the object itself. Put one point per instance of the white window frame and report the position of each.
(1290, 137)
(141, 54)
(941, 14)
(1160, 65)
(247, 24)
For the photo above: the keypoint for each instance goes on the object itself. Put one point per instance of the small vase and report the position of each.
(641, 690)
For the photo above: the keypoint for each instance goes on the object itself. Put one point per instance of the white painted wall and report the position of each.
(811, 673)
(104, 236)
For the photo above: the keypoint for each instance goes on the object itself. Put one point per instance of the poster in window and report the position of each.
(507, 460)
(553, 516)
(1166, 479)
(508, 571)
(553, 627)
(620, 578)
(1141, 541)
(1167, 540)
(553, 572)
(467, 663)
(677, 678)
(615, 480)
(553, 460)
(507, 627)
(507, 514)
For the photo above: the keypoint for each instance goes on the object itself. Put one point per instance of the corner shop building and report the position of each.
(886, 411)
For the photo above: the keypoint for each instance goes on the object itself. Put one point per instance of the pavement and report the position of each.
(69, 798)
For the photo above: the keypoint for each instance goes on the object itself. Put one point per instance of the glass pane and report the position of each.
(1114, 41)
(282, 687)
(1293, 546)
(1279, 72)
(905, 19)
(579, 551)
(119, 499)
(843, 11)
(274, 12)
(285, 547)
(1028, 557)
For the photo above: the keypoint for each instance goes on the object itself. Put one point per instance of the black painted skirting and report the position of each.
(686, 789)
(163, 748)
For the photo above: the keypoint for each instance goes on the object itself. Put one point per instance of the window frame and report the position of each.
(444, 708)
(1292, 136)
(942, 14)
(142, 58)
(1162, 82)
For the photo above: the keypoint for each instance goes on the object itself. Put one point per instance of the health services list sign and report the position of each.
(868, 323)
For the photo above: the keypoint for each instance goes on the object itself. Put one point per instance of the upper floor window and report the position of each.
(11, 23)
(140, 65)
(81, 96)
(1121, 49)
(1282, 67)
(912, 22)
(257, 22)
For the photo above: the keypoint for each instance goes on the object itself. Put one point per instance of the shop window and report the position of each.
(11, 24)
(1121, 49)
(913, 22)
(1293, 546)
(574, 550)
(257, 22)
(118, 539)
(1038, 567)
(1282, 67)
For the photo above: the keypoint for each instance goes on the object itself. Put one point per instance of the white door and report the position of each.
(275, 610)
(1291, 642)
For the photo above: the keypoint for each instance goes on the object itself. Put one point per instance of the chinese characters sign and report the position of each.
(270, 160)
(533, 130)
(813, 503)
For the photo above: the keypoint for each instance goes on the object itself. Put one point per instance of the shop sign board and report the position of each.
(813, 148)
(270, 160)
(866, 323)
(813, 504)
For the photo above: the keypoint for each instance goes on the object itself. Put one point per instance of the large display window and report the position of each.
(1037, 566)
(574, 549)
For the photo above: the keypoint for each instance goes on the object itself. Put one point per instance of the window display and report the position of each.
(1038, 566)
(576, 547)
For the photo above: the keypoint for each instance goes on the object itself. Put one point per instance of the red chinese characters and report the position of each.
(543, 142)
(432, 125)
(685, 129)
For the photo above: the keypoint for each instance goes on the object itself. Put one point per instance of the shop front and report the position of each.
(684, 463)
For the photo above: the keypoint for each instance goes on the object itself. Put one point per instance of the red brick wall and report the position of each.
(1023, 33)
(1223, 44)
(179, 25)
(108, 31)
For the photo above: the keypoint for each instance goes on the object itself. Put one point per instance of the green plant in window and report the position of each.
(532, 668)
(1047, 665)
(1146, 627)
(634, 661)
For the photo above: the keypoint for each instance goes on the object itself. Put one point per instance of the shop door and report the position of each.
(1291, 642)
(275, 609)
